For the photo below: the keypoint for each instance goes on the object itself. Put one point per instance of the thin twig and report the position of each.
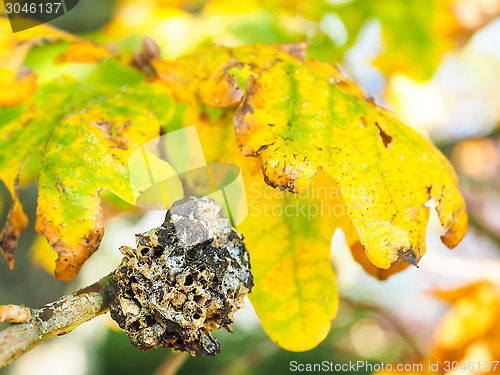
(56, 318)
(390, 318)
(245, 363)
(172, 364)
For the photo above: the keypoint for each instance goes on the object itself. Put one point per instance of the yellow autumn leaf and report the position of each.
(83, 52)
(16, 87)
(16, 223)
(296, 122)
(466, 338)
(293, 116)
(43, 255)
(64, 120)
(308, 125)
(17, 84)
(471, 324)
(208, 76)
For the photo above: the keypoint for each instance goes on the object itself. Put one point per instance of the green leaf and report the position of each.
(85, 134)
(415, 33)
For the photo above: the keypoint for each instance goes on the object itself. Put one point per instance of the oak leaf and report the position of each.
(467, 336)
(469, 330)
(84, 52)
(85, 134)
(299, 116)
(310, 127)
(16, 87)
(208, 76)
(296, 121)
(17, 83)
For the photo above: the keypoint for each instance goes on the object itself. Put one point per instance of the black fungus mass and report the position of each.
(185, 279)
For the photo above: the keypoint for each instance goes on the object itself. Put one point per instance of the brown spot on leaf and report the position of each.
(116, 134)
(262, 148)
(16, 223)
(298, 49)
(60, 186)
(408, 256)
(364, 123)
(105, 126)
(386, 138)
(222, 90)
(242, 127)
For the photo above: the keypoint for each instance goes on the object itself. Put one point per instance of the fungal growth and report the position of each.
(185, 279)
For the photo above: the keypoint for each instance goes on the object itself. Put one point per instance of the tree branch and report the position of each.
(172, 364)
(391, 319)
(162, 255)
(56, 318)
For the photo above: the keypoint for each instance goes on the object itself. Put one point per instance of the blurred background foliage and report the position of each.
(435, 63)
